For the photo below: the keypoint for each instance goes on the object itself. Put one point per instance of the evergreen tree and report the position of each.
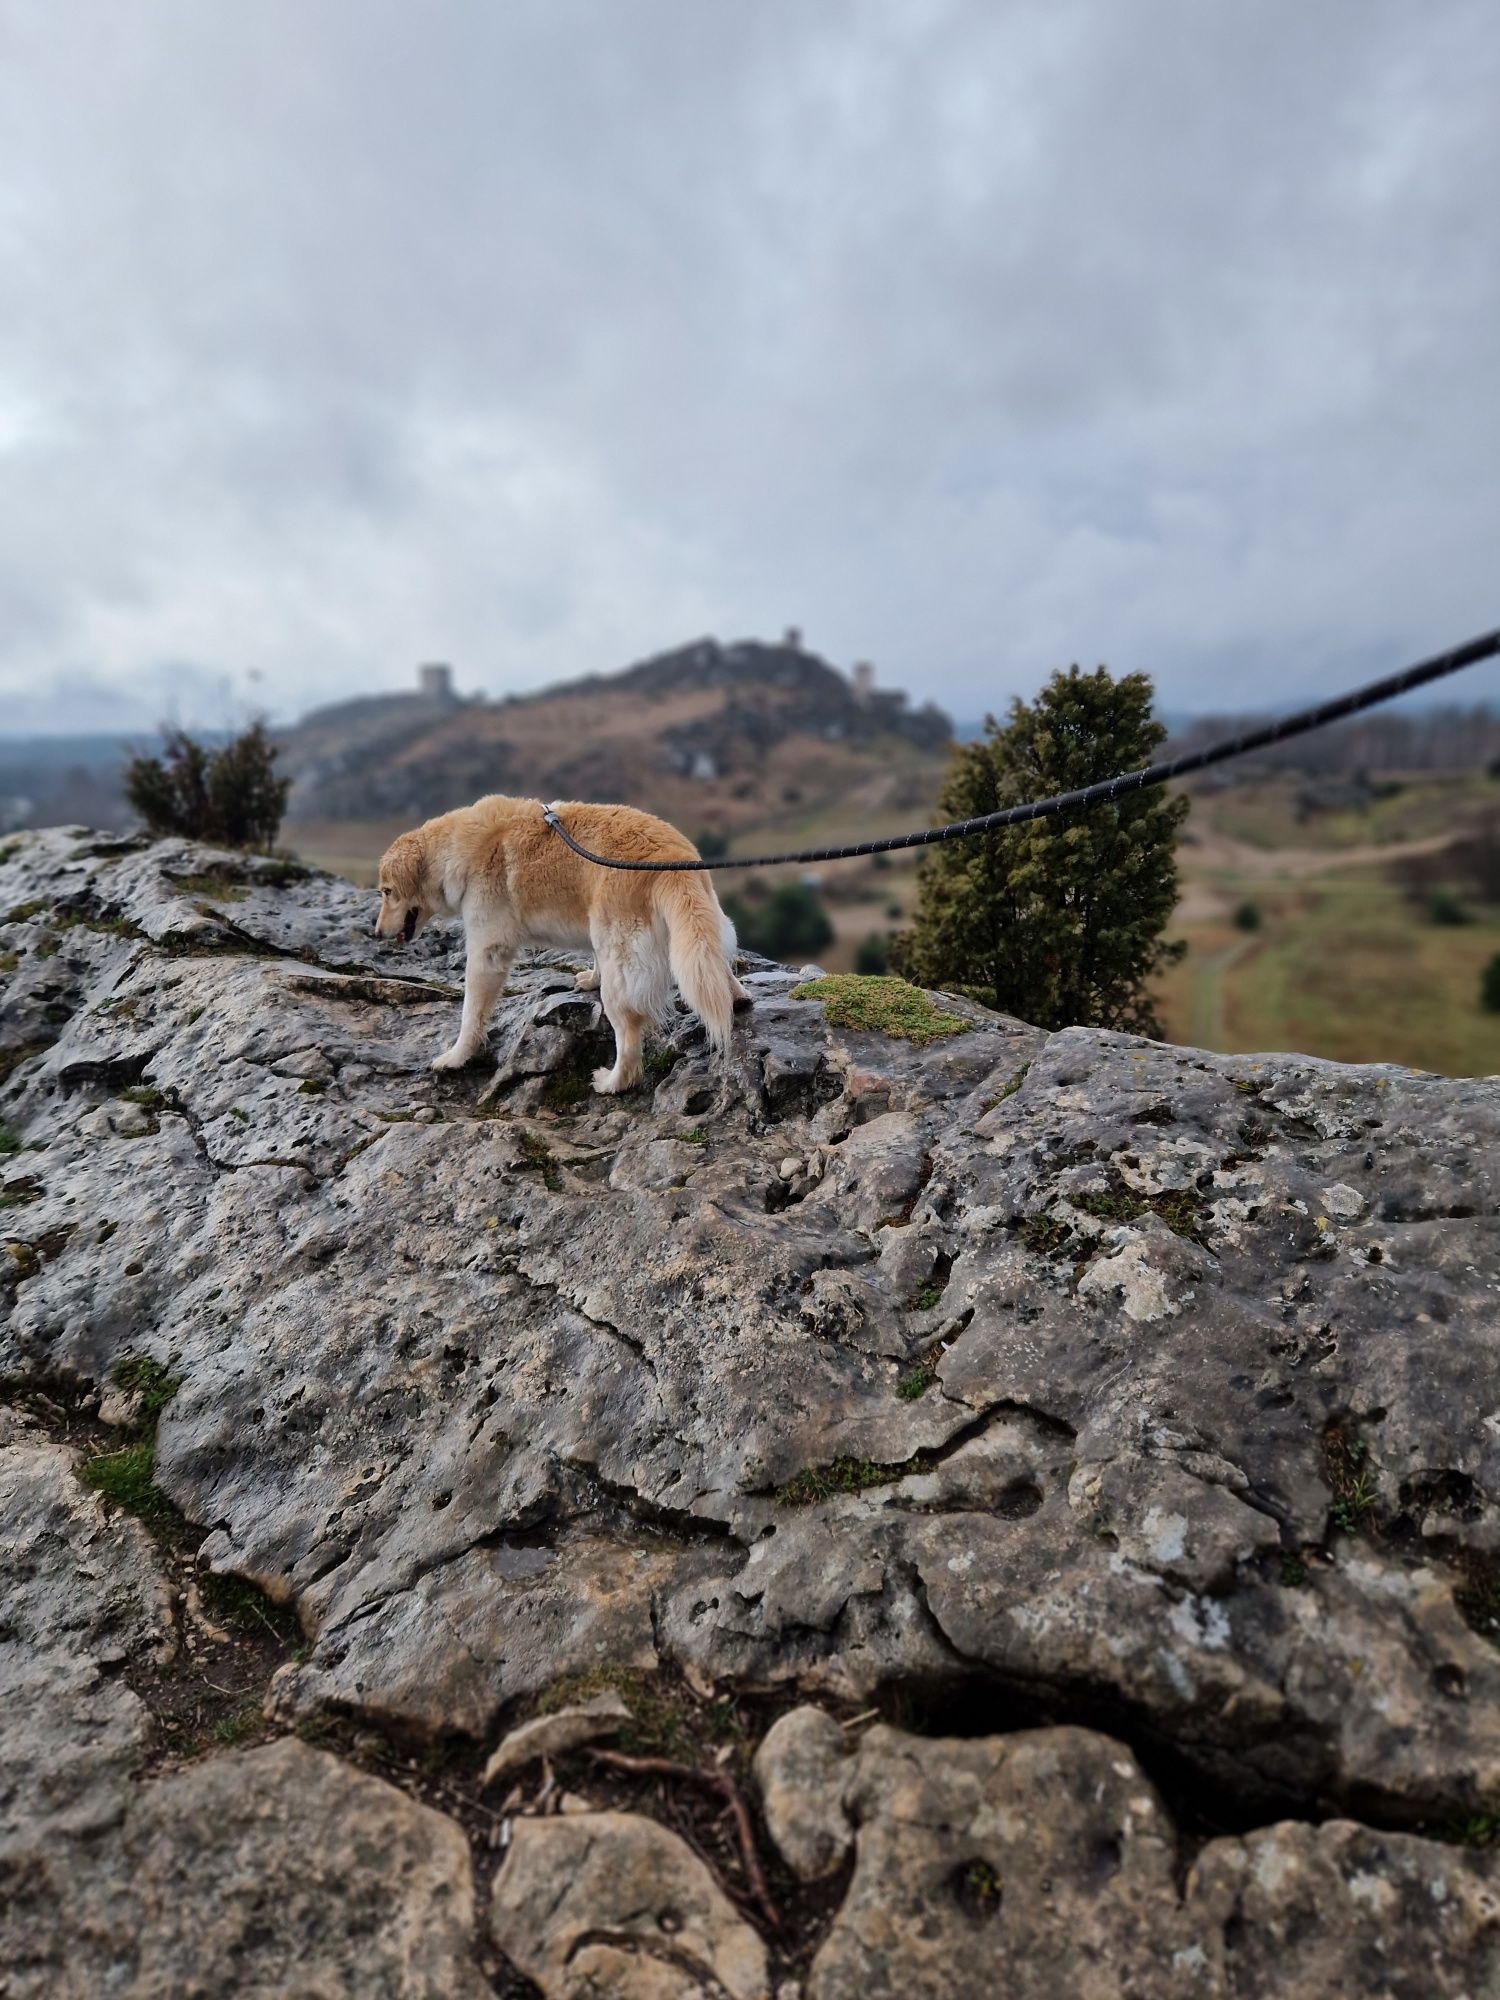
(1058, 921)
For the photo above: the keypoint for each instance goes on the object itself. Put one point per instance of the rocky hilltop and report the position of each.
(719, 735)
(929, 1507)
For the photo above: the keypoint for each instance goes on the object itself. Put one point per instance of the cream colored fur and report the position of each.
(499, 866)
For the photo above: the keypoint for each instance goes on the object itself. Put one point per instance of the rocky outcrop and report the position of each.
(1004, 1380)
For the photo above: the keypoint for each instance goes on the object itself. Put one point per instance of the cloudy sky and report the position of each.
(974, 336)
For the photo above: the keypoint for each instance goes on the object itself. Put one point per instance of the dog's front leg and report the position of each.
(485, 973)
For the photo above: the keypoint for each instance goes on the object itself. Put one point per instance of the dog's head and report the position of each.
(406, 896)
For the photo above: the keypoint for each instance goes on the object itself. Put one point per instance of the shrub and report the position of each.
(1058, 921)
(790, 924)
(1443, 907)
(873, 955)
(231, 796)
(1489, 986)
(1247, 916)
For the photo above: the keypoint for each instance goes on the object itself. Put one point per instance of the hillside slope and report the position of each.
(712, 736)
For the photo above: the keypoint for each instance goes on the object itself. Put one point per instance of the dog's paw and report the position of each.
(588, 982)
(606, 1082)
(454, 1058)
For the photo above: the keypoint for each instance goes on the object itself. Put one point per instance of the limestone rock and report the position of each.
(81, 1595)
(554, 1735)
(1045, 1862)
(1298, 1912)
(596, 1903)
(800, 1768)
(269, 1872)
(1082, 1371)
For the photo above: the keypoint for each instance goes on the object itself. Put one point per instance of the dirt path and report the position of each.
(1214, 853)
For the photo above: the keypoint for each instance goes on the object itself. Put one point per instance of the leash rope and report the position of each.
(1420, 675)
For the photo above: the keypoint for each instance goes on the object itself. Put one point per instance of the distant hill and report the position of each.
(715, 737)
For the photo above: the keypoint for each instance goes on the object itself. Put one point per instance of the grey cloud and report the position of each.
(973, 338)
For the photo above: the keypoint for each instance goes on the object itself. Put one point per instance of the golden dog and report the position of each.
(499, 866)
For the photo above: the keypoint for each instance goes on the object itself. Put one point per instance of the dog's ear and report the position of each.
(404, 864)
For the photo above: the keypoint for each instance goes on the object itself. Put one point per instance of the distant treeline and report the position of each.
(1435, 739)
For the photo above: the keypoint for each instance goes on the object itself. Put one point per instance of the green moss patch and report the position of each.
(568, 1089)
(152, 1381)
(127, 1479)
(147, 1096)
(847, 1475)
(537, 1155)
(1179, 1208)
(1042, 1234)
(881, 1005)
(220, 888)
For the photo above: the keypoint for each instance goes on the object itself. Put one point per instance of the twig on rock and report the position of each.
(716, 1781)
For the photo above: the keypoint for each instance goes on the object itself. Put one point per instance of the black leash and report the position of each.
(1469, 655)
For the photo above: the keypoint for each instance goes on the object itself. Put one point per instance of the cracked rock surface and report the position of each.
(80, 1597)
(1065, 1377)
(986, 1866)
(271, 1872)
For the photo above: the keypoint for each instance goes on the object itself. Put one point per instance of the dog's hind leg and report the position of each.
(485, 974)
(629, 1026)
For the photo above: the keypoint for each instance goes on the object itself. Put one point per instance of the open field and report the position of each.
(1267, 814)
(1343, 964)
(1341, 967)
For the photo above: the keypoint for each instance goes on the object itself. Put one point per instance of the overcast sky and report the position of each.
(540, 335)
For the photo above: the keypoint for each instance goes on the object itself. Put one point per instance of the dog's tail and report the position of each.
(700, 948)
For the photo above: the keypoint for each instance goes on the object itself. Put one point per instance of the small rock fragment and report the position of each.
(553, 1735)
(800, 1768)
(594, 1903)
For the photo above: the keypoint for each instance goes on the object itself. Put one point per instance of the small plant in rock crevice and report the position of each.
(847, 1475)
(127, 1477)
(915, 1383)
(536, 1155)
(1350, 1476)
